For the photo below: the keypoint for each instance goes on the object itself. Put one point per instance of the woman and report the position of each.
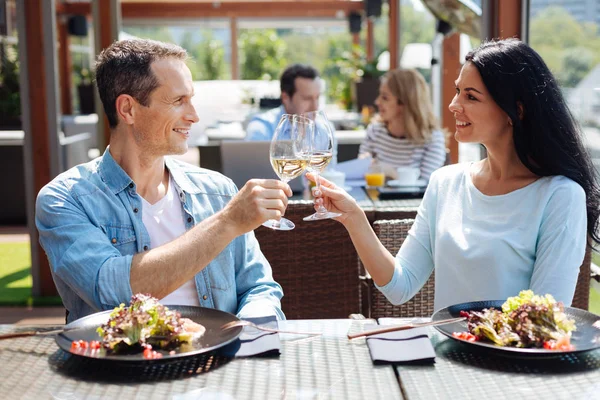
(520, 218)
(405, 133)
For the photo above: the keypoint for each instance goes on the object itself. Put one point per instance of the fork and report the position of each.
(404, 327)
(25, 333)
(242, 322)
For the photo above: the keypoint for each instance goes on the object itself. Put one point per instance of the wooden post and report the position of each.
(107, 22)
(394, 34)
(65, 66)
(235, 67)
(450, 70)
(370, 40)
(40, 117)
(509, 19)
(503, 19)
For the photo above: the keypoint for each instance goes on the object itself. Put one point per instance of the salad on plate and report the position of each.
(525, 321)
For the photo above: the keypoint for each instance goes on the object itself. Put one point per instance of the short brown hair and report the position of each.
(124, 67)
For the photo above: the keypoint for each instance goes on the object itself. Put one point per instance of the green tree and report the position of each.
(415, 27)
(569, 48)
(161, 33)
(577, 63)
(262, 54)
(211, 56)
(10, 99)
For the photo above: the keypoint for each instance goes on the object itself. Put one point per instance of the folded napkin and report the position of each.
(254, 342)
(410, 346)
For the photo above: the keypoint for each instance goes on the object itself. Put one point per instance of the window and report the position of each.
(567, 36)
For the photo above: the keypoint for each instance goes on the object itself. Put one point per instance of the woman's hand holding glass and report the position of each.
(321, 153)
(289, 154)
(334, 199)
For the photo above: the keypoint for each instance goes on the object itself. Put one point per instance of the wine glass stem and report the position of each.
(276, 223)
(320, 209)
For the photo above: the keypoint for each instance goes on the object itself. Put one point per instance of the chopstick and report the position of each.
(405, 327)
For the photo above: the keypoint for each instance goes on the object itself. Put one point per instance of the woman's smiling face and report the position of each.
(478, 118)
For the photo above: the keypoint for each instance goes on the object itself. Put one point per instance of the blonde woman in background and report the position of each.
(405, 132)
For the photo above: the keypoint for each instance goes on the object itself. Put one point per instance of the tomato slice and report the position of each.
(469, 337)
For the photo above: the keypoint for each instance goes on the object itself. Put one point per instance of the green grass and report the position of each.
(15, 277)
(15, 273)
(594, 301)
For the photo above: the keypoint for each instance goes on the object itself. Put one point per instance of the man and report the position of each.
(136, 221)
(300, 91)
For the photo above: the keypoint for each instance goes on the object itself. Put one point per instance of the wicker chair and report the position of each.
(315, 263)
(392, 233)
(582, 290)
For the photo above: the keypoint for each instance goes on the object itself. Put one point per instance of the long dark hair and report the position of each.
(547, 138)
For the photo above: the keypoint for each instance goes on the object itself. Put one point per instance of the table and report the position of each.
(329, 366)
(326, 367)
(461, 372)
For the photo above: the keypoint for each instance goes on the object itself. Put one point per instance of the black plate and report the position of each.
(585, 338)
(213, 338)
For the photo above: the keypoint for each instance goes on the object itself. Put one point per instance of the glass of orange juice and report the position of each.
(375, 179)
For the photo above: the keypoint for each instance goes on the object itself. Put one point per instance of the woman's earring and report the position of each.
(510, 122)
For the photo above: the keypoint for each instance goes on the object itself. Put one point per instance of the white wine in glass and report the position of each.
(321, 153)
(288, 168)
(289, 155)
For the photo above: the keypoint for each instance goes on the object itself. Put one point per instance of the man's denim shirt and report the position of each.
(90, 224)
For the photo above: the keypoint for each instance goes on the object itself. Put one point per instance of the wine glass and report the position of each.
(289, 154)
(321, 153)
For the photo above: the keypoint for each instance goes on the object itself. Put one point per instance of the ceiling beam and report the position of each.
(214, 9)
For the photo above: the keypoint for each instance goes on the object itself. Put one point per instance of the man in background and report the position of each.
(300, 91)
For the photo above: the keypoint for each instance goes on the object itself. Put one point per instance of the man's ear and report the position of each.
(125, 105)
(520, 110)
(285, 99)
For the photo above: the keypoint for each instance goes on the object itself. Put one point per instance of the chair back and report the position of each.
(581, 299)
(315, 263)
(392, 234)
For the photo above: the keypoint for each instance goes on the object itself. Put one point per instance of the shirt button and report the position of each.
(204, 297)
(189, 219)
(145, 247)
(131, 185)
(135, 210)
(114, 240)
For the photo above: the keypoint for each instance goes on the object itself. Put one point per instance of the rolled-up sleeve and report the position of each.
(81, 257)
(258, 130)
(258, 294)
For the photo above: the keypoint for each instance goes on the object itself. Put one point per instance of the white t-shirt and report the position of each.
(491, 247)
(164, 221)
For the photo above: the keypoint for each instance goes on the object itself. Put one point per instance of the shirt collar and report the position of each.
(112, 174)
(117, 179)
(178, 173)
